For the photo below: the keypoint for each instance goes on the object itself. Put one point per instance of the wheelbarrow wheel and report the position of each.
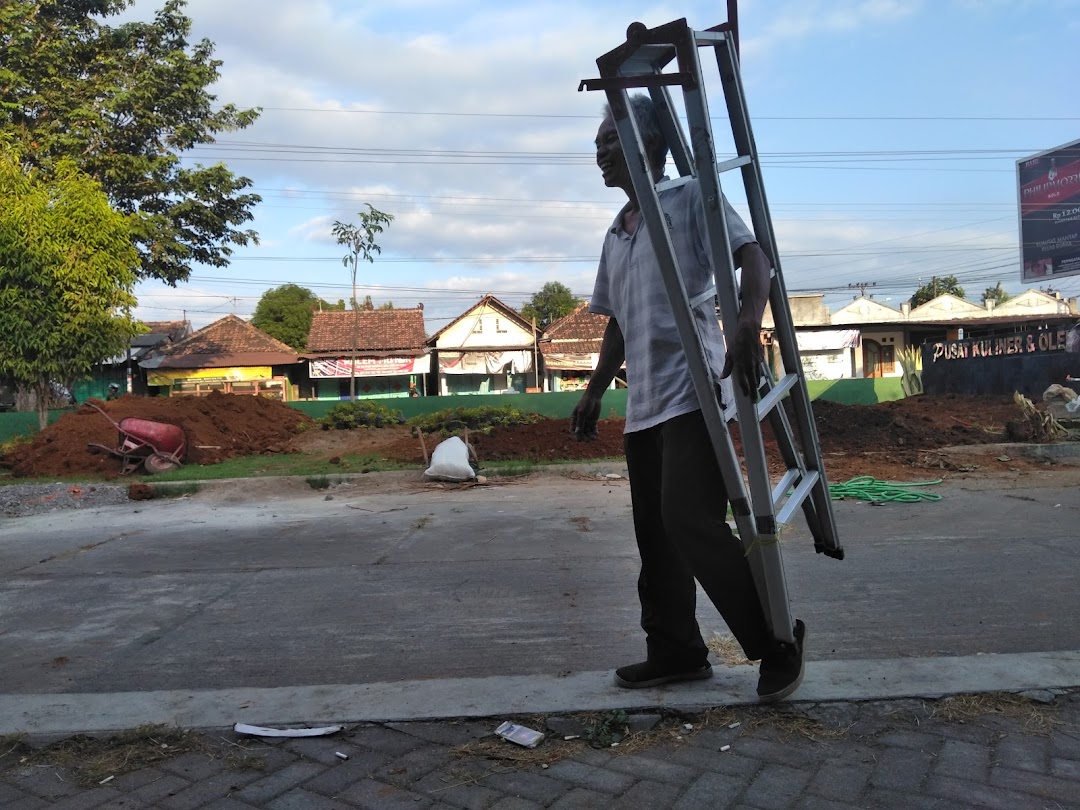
(157, 463)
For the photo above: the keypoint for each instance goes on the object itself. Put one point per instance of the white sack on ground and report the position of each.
(450, 461)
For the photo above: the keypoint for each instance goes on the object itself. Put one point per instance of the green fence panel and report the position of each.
(14, 424)
(558, 405)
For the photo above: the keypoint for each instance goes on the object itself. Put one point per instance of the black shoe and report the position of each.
(781, 669)
(649, 673)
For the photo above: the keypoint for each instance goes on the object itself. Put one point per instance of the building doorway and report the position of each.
(878, 360)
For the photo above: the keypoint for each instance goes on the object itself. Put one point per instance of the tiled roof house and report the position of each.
(230, 341)
(380, 332)
(229, 356)
(389, 343)
(572, 341)
(571, 348)
(489, 348)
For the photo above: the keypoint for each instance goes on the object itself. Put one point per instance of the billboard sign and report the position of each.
(1049, 195)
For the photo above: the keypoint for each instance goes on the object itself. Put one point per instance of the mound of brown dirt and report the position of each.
(218, 426)
(856, 439)
(140, 492)
(544, 441)
(916, 423)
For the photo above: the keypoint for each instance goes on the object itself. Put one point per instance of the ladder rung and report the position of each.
(647, 59)
(783, 485)
(768, 402)
(734, 163)
(665, 185)
(709, 37)
(798, 496)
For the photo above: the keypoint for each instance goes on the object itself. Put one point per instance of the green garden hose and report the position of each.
(868, 488)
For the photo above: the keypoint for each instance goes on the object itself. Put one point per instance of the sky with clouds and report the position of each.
(889, 132)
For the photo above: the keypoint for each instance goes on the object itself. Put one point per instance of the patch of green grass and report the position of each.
(239, 467)
(509, 469)
(318, 482)
(607, 729)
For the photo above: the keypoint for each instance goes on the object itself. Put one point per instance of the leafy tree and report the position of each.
(553, 301)
(360, 240)
(285, 313)
(368, 305)
(996, 294)
(67, 270)
(935, 287)
(124, 102)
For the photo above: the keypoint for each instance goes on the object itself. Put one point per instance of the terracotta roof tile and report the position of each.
(161, 327)
(174, 330)
(552, 347)
(579, 325)
(379, 330)
(229, 336)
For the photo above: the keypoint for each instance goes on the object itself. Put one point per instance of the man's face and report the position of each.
(609, 156)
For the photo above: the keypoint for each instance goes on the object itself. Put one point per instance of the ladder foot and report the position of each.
(836, 553)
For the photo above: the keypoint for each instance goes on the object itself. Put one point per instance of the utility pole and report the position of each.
(536, 357)
(861, 287)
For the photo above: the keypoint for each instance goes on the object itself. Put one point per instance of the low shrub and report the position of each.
(14, 443)
(360, 413)
(481, 419)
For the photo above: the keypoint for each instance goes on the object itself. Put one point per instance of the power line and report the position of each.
(442, 114)
(462, 199)
(388, 160)
(920, 249)
(905, 154)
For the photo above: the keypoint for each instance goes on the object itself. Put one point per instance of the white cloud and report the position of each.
(798, 21)
(329, 76)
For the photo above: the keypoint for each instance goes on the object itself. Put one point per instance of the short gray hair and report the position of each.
(648, 123)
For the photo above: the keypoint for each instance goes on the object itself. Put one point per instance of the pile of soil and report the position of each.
(217, 427)
(914, 423)
(855, 439)
(545, 441)
(892, 433)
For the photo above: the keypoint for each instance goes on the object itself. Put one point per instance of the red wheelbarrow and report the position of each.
(155, 446)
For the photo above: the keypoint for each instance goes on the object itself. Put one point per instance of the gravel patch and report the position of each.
(23, 500)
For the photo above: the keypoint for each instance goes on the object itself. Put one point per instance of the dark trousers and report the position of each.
(680, 518)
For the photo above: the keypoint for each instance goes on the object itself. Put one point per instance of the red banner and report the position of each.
(1056, 186)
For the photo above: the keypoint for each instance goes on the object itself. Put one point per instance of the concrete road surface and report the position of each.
(534, 577)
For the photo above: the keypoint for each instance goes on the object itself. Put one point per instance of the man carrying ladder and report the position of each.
(678, 492)
(672, 250)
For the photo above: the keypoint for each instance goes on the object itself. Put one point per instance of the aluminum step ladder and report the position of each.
(759, 504)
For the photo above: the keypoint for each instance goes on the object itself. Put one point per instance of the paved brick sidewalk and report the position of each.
(991, 751)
